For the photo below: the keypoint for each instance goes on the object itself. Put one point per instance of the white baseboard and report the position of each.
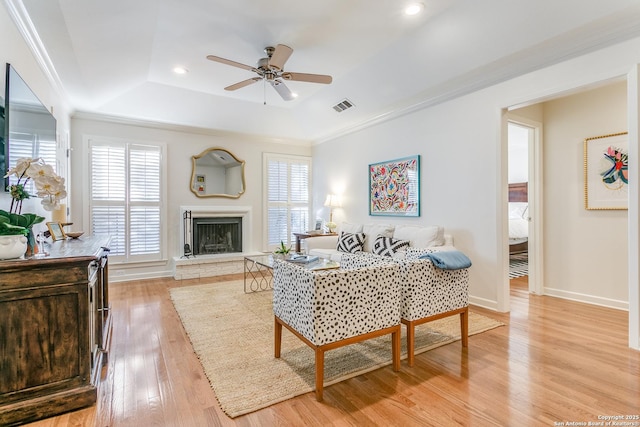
(123, 276)
(588, 299)
(559, 293)
(484, 303)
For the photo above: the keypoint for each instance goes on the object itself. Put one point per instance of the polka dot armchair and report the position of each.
(333, 308)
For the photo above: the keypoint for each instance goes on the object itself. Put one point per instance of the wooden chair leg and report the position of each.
(277, 338)
(395, 348)
(319, 373)
(464, 327)
(411, 343)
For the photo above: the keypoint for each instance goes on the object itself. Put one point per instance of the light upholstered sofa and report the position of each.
(328, 309)
(380, 239)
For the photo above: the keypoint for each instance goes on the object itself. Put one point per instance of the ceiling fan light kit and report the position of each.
(414, 9)
(271, 70)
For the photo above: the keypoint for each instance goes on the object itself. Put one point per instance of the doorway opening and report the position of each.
(523, 162)
(518, 139)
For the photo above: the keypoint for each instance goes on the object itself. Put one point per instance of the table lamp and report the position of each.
(333, 201)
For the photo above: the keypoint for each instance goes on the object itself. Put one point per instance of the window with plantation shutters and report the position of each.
(287, 197)
(125, 189)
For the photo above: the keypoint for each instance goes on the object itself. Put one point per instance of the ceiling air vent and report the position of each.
(343, 105)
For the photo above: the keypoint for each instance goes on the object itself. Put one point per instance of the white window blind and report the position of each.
(125, 190)
(288, 206)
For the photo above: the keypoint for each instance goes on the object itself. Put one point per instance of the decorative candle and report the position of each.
(60, 214)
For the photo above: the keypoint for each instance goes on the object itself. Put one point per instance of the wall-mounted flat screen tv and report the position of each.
(3, 146)
(29, 127)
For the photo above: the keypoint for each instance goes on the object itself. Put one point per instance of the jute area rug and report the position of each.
(232, 335)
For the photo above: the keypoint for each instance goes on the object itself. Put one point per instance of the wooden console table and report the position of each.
(302, 236)
(55, 332)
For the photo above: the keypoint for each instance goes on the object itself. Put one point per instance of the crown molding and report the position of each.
(25, 26)
(106, 118)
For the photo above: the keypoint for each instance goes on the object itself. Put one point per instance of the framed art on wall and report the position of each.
(394, 187)
(606, 172)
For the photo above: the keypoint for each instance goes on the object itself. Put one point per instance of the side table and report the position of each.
(259, 272)
(302, 236)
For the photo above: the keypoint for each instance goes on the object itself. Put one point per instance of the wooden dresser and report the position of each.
(54, 329)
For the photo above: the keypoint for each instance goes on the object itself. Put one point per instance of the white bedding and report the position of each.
(518, 222)
(518, 229)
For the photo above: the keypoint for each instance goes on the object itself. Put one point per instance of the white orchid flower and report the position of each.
(21, 167)
(40, 170)
(48, 184)
(50, 204)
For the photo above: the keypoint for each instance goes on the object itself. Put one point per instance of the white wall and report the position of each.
(518, 154)
(585, 251)
(463, 177)
(457, 142)
(14, 50)
(182, 143)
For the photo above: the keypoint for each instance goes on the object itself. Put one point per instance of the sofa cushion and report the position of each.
(372, 231)
(388, 246)
(350, 242)
(420, 237)
(350, 228)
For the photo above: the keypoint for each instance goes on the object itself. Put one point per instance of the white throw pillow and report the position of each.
(371, 231)
(420, 237)
(350, 228)
(518, 210)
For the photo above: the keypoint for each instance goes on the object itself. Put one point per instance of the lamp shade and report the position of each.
(333, 201)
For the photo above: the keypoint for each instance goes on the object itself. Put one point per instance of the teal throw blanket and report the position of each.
(449, 260)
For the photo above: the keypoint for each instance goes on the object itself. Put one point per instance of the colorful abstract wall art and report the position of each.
(606, 172)
(395, 187)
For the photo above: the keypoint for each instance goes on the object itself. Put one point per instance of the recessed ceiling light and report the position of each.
(180, 70)
(414, 9)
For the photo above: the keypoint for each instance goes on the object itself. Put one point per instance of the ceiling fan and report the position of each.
(271, 70)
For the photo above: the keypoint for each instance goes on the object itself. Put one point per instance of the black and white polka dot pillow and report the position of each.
(387, 246)
(350, 242)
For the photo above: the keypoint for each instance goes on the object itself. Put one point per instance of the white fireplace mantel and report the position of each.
(213, 264)
(243, 212)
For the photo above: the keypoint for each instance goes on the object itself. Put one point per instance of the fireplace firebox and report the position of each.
(216, 235)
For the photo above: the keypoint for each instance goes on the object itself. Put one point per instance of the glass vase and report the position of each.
(32, 246)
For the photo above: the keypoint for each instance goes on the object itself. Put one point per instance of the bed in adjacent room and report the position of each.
(518, 218)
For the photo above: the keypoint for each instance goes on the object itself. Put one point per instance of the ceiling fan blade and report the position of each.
(230, 62)
(280, 55)
(243, 83)
(282, 89)
(304, 77)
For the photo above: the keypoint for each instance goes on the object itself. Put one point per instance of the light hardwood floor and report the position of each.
(556, 361)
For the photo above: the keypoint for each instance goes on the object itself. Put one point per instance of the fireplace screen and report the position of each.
(217, 235)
